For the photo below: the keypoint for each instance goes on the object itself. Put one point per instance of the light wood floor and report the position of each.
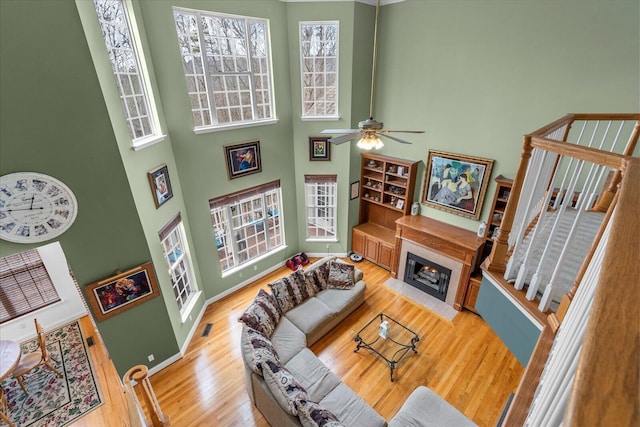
(463, 361)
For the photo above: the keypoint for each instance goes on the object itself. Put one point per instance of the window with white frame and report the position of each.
(227, 64)
(247, 224)
(320, 202)
(25, 285)
(115, 20)
(176, 254)
(319, 69)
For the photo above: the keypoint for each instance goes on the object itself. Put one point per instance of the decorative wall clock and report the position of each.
(34, 207)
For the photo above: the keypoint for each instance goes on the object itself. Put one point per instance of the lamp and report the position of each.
(370, 141)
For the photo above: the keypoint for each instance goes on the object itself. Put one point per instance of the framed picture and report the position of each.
(123, 291)
(355, 190)
(160, 185)
(243, 159)
(319, 148)
(456, 183)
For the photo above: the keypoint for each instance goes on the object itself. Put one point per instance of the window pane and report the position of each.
(319, 69)
(247, 228)
(235, 49)
(118, 38)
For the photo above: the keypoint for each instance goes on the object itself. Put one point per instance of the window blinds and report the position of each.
(25, 285)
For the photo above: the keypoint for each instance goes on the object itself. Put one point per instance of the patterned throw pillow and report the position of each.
(263, 314)
(290, 291)
(312, 415)
(341, 275)
(317, 279)
(283, 386)
(256, 348)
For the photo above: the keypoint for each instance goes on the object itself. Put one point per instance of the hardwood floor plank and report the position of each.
(461, 360)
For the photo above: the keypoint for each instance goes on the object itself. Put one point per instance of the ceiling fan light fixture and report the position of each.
(369, 142)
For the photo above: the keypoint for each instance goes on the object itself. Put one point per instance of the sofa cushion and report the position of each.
(256, 348)
(425, 408)
(341, 275)
(283, 386)
(288, 340)
(343, 300)
(263, 314)
(311, 317)
(290, 290)
(312, 374)
(350, 409)
(312, 414)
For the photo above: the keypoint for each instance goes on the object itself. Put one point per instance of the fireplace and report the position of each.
(427, 276)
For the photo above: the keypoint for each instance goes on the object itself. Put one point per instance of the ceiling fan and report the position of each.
(371, 129)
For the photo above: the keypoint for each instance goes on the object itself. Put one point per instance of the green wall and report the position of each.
(475, 75)
(53, 120)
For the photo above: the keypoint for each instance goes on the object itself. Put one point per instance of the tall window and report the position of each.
(116, 26)
(319, 69)
(25, 285)
(247, 224)
(320, 200)
(227, 64)
(176, 254)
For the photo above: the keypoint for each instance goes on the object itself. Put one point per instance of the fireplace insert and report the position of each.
(427, 276)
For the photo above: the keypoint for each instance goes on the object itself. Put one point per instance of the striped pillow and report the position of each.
(263, 314)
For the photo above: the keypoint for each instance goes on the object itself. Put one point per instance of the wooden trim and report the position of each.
(517, 413)
(606, 390)
(612, 160)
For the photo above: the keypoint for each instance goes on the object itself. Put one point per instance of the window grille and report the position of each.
(319, 69)
(118, 36)
(25, 285)
(320, 201)
(227, 66)
(176, 255)
(247, 224)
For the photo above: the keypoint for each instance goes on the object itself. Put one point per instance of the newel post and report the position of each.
(498, 256)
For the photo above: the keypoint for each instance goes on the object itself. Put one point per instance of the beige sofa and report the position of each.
(288, 383)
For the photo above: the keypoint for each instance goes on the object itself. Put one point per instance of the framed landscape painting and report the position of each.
(123, 291)
(456, 183)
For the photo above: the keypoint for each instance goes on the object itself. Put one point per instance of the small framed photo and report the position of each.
(319, 148)
(243, 159)
(400, 204)
(123, 291)
(355, 190)
(160, 185)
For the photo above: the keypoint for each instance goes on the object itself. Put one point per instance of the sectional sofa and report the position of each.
(288, 383)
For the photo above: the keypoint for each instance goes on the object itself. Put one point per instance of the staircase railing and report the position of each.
(139, 374)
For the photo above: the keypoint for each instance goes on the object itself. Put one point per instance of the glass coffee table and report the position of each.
(399, 340)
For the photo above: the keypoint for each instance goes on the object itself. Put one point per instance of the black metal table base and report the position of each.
(399, 354)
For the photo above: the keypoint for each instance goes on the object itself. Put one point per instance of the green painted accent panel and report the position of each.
(515, 330)
(53, 120)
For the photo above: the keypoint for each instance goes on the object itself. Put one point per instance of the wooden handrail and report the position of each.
(606, 390)
(139, 374)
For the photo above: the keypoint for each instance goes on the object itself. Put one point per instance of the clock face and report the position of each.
(34, 207)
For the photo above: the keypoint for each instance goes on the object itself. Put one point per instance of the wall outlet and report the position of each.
(255, 267)
(151, 358)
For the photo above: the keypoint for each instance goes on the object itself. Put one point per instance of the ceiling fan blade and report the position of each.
(340, 131)
(402, 141)
(403, 131)
(344, 138)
